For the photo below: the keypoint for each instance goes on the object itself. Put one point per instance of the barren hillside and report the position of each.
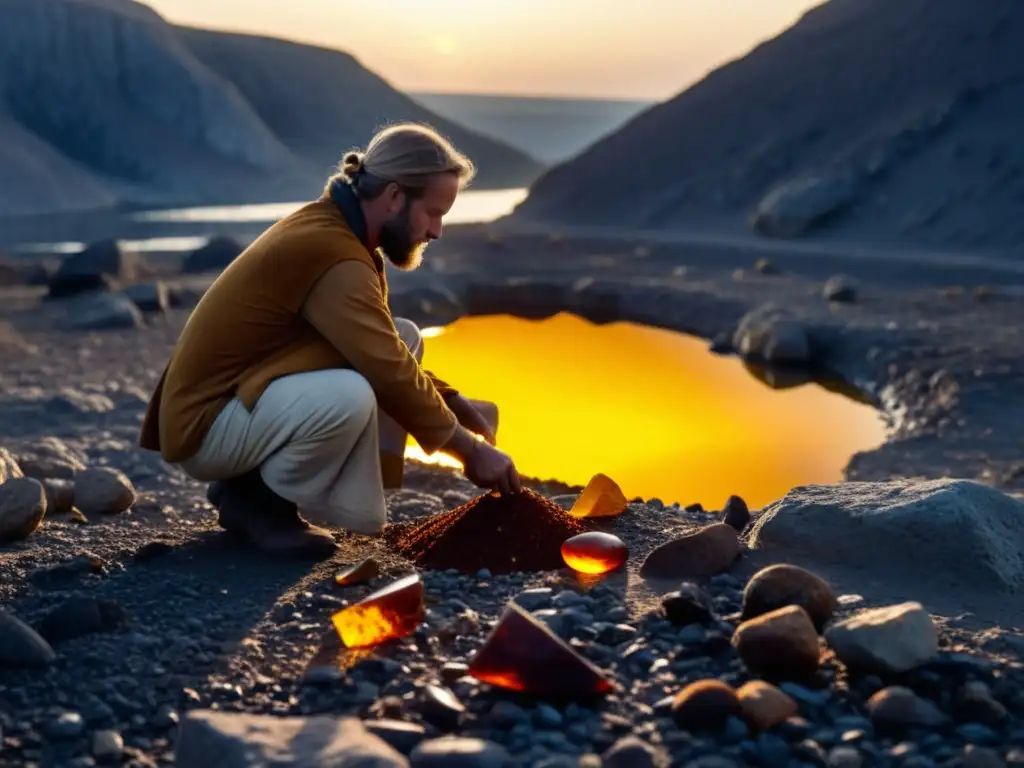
(871, 120)
(103, 103)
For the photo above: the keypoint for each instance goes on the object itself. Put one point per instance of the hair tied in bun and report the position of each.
(353, 164)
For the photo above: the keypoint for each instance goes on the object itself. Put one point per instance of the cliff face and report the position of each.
(106, 98)
(873, 120)
(321, 102)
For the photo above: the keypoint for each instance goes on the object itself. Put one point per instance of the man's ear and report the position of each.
(395, 196)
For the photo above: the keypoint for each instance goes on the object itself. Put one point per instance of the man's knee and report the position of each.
(328, 400)
(409, 332)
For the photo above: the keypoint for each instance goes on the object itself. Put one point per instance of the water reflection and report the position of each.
(651, 408)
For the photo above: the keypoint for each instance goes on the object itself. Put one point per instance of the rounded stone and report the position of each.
(103, 490)
(707, 552)
(687, 605)
(777, 586)
(764, 705)
(22, 507)
(781, 645)
(705, 705)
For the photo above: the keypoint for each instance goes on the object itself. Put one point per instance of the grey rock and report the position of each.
(441, 707)
(214, 256)
(22, 646)
(768, 334)
(568, 599)
(149, 297)
(404, 737)
(633, 752)
(969, 532)
(844, 757)
(81, 615)
(981, 757)
(103, 491)
(107, 746)
(505, 714)
(68, 725)
(209, 739)
(97, 267)
(9, 467)
(459, 752)
(534, 599)
(887, 640)
(897, 708)
(687, 605)
(103, 312)
(798, 205)
(735, 513)
(547, 716)
(840, 288)
(22, 507)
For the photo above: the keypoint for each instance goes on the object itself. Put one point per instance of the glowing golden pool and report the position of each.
(653, 409)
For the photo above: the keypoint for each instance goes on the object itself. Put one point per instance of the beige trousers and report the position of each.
(316, 438)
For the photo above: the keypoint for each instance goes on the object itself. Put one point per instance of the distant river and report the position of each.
(185, 229)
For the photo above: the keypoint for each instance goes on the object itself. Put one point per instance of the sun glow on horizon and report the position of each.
(585, 48)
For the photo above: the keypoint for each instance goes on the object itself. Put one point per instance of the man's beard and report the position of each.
(397, 243)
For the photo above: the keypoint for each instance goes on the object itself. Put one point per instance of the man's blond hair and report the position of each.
(408, 154)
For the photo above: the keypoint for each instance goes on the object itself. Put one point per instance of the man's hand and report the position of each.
(488, 467)
(470, 418)
(483, 464)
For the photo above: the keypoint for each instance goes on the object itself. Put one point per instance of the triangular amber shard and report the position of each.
(358, 573)
(594, 552)
(521, 654)
(601, 498)
(387, 614)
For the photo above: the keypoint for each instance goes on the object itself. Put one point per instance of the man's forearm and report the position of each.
(461, 445)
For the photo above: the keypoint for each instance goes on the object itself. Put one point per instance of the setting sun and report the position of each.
(444, 45)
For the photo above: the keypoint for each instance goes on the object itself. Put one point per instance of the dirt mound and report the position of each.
(868, 120)
(523, 532)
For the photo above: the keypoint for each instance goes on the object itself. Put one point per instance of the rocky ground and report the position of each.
(150, 618)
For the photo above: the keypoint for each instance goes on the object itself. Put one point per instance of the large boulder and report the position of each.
(104, 312)
(213, 257)
(153, 296)
(210, 739)
(768, 335)
(956, 531)
(802, 204)
(102, 266)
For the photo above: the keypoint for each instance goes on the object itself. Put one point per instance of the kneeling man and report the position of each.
(291, 365)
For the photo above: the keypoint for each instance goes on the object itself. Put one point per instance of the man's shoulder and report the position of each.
(315, 228)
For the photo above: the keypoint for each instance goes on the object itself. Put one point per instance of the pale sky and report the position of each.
(646, 49)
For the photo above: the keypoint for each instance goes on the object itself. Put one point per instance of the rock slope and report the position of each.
(870, 120)
(105, 104)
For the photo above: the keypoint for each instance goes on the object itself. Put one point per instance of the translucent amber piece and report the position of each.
(594, 552)
(601, 498)
(521, 654)
(387, 614)
(357, 574)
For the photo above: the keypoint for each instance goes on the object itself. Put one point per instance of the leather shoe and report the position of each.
(248, 508)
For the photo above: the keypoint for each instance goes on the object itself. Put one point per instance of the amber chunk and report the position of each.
(521, 654)
(594, 552)
(601, 498)
(358, 573)
(387, 614)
